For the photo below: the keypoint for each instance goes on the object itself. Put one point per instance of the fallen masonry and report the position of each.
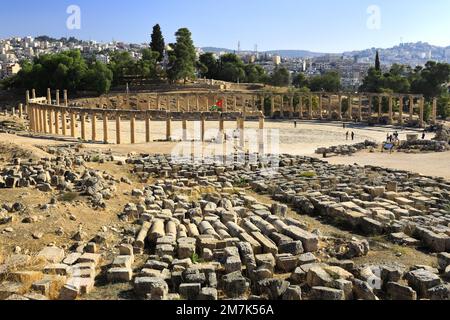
(197, 235)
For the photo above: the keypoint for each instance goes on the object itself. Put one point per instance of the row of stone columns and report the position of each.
(289, 107)
(50, 119)
(325, 100)
(183, 102)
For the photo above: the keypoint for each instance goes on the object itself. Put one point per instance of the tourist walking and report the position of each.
(346, 135)
(424, 135)
(295, 124)
(353, 136)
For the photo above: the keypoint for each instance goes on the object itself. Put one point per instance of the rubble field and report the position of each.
(78, 224)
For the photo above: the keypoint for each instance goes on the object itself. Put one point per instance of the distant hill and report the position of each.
(406, 53)
(296, 53)
(217, 50)
(283, 53)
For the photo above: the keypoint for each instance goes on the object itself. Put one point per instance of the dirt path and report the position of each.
(303, 140)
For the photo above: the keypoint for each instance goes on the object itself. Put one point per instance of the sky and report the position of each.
(317, 25)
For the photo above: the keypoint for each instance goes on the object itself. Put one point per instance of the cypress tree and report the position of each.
(157, 43)
(377, 62)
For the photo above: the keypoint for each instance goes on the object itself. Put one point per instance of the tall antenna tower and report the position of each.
(239, 47)
(256, 49)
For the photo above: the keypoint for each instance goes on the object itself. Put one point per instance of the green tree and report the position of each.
(377, 62)
(182, 63)
(254, 74)
(330, 81)
(373, 82)
(300, 80)
(63, 70)
(443, 105)
(98, 78)
(231, 68)
(210, 66)
(157, 44)
(147, 67)
(281, 77)
(121, 64)
(429, 81)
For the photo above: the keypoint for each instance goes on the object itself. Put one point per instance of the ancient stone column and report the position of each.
(225, 105)
(158, 102)
(45, 116)
(241, 131)
(31, 117)
(178, 103)
(147, 127)
(50, 120)
(184, 128)
(339, 108)
(222, 124)
(33, 93)
(168, 126)
(20, 110)
(63, 122)
(49, 96)
(132, 128)
(291, 111)
(197, 103)
(73, 124)
(105, 127)
(27, 101)
(118, 135)
(262, 104)
(411, 108)
(235, 103)
(434, 112)
(66, 100)
(83, 126)
(261, 121)
(57, 97)
(34, 115)
(391, 116)
(400, 102)
(57, 121)
(188, 103)
(94, 126)
(42, 119)
(320, 106)
(370, 106)
(37, 117)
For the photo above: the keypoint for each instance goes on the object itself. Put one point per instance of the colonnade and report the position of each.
(52, 118)
(53, 115)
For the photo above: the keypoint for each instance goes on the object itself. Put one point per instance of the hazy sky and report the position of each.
(317, 25)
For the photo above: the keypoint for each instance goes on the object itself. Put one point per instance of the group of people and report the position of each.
(352, 134)
(392, 137)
